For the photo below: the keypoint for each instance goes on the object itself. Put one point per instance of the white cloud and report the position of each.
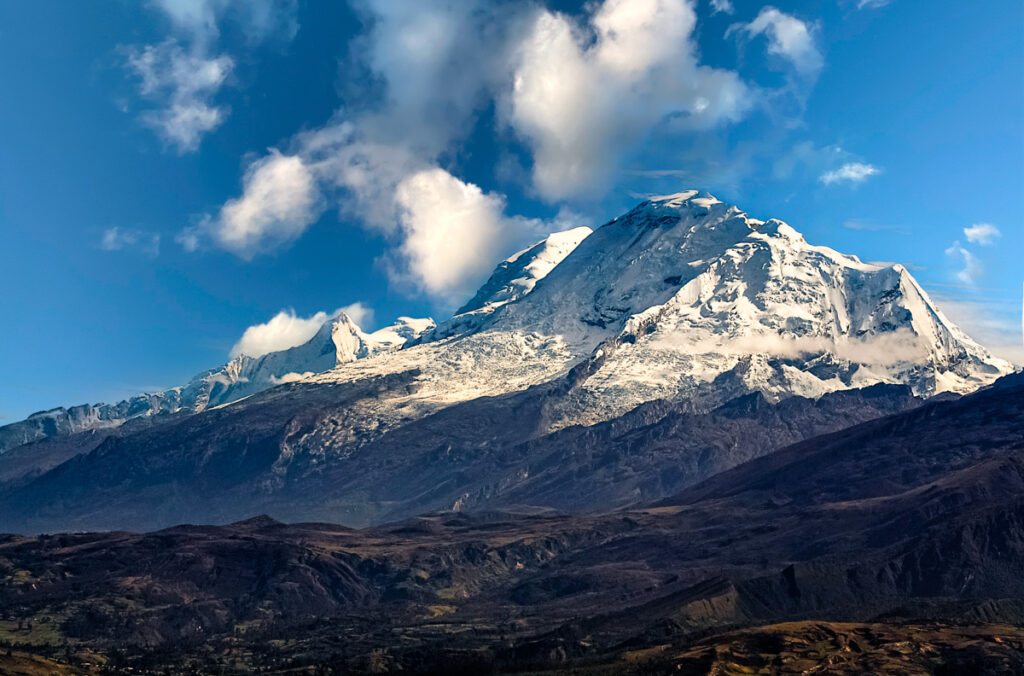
(582, 96)
(454, 233)
(449, 233)
(788, 37)
(982, 233)
(437, 62)
(184, 84)
(286, 329)
(870, 226)
(258, 19)
(724, 6)
(359, 313)
(972, 268)
(183, 76)
(828, 164)
(872, 4)
(188, 239)
(279, 201)
(118, 239)
(583, 103)
(852, 172)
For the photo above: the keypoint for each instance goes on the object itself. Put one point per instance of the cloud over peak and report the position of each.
(453, 232)
(582, 104)
(286, 330)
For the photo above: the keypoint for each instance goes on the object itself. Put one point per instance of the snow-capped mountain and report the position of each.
(511, 280)
(686, 297)
(337, 341)
(700, 302)
(684, 306)
(683, 297)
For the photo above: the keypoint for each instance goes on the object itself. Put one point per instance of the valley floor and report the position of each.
(806, 647)
(895, 546)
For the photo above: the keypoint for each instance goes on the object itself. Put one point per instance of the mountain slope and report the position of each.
(514, 278)
(713, 305)
(683, 300)
(337, 341)
(917, 517)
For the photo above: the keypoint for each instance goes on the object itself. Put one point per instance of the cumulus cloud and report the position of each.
(972, 268)
(581, 103)
(286, 329)
(118, 239)
(454, 232)
(279, 201)
(788, 37)
(449, 232)
(583, 94)
(982, 233)
(852, 172)
(435, 63)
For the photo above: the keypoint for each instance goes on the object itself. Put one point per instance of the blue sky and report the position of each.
(174, 172)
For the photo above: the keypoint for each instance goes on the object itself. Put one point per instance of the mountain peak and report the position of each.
(517, 275)
(512, 279)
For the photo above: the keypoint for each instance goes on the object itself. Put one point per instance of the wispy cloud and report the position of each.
(868, 226)
(972, 268)
(852, 172)
(982, 233)
(872, 4)
(723, 6)
(181, 76)
(118, 239)
(788, 37)
(992, 318)
(183, 85)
